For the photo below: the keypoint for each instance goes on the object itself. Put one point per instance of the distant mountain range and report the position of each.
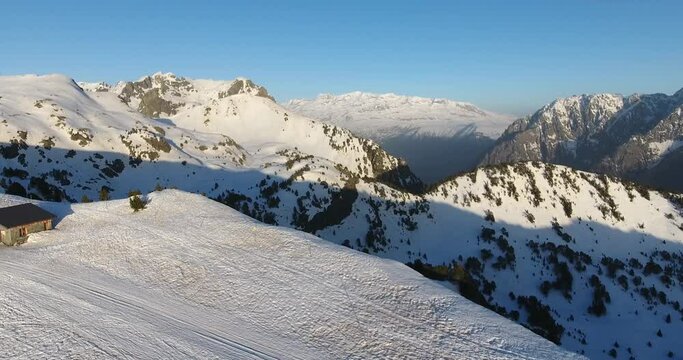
(576, 257)
(639, 137)
(437, 137)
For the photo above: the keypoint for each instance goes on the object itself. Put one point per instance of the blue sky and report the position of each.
(508, 56)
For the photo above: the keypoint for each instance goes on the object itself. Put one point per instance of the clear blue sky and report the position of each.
(509, 56)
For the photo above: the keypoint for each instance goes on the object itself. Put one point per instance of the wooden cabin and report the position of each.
(17, 222)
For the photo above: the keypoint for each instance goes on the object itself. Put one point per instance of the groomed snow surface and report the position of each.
(190, 278)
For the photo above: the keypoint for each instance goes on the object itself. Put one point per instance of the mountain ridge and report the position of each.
(437, 137)
(523, 229)
(619, 135)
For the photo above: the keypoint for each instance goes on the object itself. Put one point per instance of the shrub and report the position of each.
(488, 234)
(652, 268)
(564, 279)
(612, 265)
(85, 199)
(623, 281)
(134, 192)
(600, 297)
(486, 254)
(16, 189)
(559, 230)
(567, 206)
(137, 203)
(489, 216)
(104, 194)
(540, 319)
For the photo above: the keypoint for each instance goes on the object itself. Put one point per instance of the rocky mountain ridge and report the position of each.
(629, 137)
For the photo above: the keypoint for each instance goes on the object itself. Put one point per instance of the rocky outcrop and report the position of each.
(622, 136)
(245, 86)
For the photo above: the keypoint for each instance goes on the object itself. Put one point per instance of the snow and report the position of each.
(660, 149)
(267, 141)
(582, 112)
(94, 87)
(217, 136)
(190, 278)
(451, 231)
(436, 137)
(380, 116)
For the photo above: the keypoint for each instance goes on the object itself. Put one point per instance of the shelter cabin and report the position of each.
(16, 222)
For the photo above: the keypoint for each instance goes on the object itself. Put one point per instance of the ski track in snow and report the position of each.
(200, 330)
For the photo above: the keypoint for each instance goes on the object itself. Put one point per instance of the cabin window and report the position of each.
(22, 231)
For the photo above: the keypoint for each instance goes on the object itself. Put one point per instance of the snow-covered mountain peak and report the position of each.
(626, 136)
(21, 83)
(94, 86)
(164, 93)
(176, 120)
(161, 75)
(43, 77)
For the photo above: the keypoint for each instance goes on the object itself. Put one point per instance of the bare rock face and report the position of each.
(162, 94)
(621, 136)
(246, 86)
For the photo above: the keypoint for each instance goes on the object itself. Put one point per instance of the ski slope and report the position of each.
(190, 278)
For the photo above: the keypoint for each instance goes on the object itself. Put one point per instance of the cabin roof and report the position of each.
(23, 214)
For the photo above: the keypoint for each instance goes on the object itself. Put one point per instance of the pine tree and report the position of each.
(137, 203)
(134, 192)
(104, 194)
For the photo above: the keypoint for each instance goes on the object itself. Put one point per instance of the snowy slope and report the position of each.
(190, 278)
(438, 137)
(580, 258)
(85, 140)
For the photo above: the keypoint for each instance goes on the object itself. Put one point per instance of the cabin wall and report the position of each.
(6, 236)
(13, 236)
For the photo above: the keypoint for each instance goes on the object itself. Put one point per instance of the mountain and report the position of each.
(638, 137)
(437, 137)
(576, 257)
(84, 141)
(109, 282)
